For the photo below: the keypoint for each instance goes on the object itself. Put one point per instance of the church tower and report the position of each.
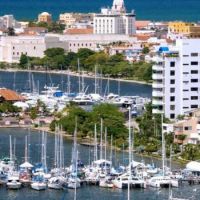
(118, 6)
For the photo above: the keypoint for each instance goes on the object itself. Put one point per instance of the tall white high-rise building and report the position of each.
(115, 20)
(176, 78)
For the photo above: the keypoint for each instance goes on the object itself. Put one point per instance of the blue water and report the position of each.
(154, 10)
(20, 83)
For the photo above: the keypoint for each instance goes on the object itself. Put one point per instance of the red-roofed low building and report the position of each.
(142, 24)
(10, 95)
(78, 31)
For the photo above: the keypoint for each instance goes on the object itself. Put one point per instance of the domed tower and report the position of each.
(118, 6)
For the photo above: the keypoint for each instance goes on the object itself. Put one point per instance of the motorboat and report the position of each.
(13, 183)
(37, 185)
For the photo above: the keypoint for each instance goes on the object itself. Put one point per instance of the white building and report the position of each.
(11, 48)
(115, 20)
(7, 21)
(176, 78)
(94, 42)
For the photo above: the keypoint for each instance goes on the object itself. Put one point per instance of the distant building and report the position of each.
(45, 17)
(190, 128)
(70, 19)
(11, 48)
(183, 29)
(115, 20)
(176, 78)
(8, 21)
(95, 42)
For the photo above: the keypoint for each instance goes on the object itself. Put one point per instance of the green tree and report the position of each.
(10, 31)
(145, 50)
(23, 60)
(33, 113)
(51, 52)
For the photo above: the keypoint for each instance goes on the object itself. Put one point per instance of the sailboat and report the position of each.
(26, 167)
(38, 182)
(13, 181)
(73, 180)
(57, 181)
(162, 180)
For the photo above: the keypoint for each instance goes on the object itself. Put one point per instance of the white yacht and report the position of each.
(162, 181)
(13, 183)
(37, 185)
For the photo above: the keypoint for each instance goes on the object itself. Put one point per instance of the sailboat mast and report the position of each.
(68, 82)
(119, 85)
(79, 78)
(11, 153)
(95, 143)
(111, 144)
(26, 149)
(105, 151)
(129, 172)
(101, 142)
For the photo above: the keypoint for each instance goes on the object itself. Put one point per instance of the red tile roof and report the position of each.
(10, 95)
(79, 31)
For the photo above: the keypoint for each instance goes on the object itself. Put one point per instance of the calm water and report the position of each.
(84, 193)
(145, 9)
(19, 81)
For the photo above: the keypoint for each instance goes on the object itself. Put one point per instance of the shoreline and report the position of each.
(75, 74)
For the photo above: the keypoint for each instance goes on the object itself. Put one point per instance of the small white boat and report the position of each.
(162, 181)
(55, 183)
(38, 185)
(13, 183)
(73, 183)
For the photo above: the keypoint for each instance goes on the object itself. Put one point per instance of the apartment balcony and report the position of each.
(157, 94)
(157, 102)
(158, 67)
(157, 85)
(157, 76)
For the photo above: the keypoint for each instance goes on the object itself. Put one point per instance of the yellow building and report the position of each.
(179, 27)
(184, 29)
(45, 17)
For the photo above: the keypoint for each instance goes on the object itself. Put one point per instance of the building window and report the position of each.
(185, 107)
(194, 89)
(194, 106)
(185, 90)
(185, 99)
(188, 128)
(172, 107)
(172, 116)
(185, 72)
(194, 80)
(172, 98)
(34, 48)
(185, 64)
(13, 47)
(172, 90)
(172, 81)
(194, 71)
(172, 73)
(194, 97)
(194, 54)
(194, 63)
(172, 64)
